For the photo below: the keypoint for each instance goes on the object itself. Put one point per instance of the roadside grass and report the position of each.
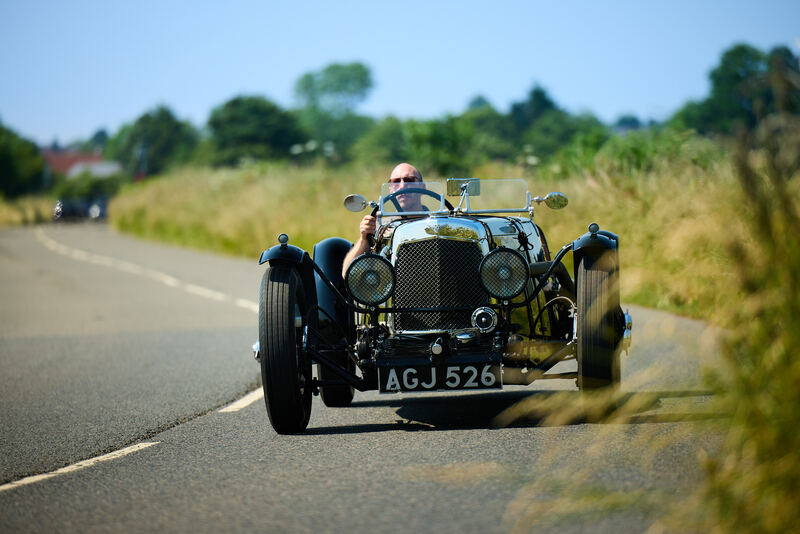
(242, 211)
(25, 210)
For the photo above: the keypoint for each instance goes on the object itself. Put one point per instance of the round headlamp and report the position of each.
(504, 273)
(370, 279)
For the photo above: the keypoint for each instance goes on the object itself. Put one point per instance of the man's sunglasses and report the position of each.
(406, 179)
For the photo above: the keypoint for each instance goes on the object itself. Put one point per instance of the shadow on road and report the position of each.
(525, 409)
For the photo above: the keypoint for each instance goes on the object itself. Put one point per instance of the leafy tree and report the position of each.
(96, 143)
(252, 127)
(442, 145)
(339, 131)
(329, 98)
(385, 142)
(494, 132)
(337, 89)
(525, 113)
(738, 88)
(783, 74)
(557, 128)
(696, 115)
(153, 142)
(627, 122)
(746, 86)
(478, 102)
(21, 165)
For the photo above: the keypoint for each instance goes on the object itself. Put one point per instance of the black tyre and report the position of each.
(285, 371)
(338, 396)
(597, 331)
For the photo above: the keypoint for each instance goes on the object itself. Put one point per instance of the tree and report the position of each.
(385, 142)
(444, 146)
(252, 127)
(525, 113)
(328, 99)
(21, 165)
(783, 74)
(153, 142)
(627, 122)
(478, 102)
(494, 132)
(557, 128)
(746, 86)
(336, 90)
(738, 88)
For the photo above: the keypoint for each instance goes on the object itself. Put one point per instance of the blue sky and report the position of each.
(68, 68)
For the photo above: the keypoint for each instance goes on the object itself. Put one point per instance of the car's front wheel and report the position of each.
(596, 331)
(285, 370)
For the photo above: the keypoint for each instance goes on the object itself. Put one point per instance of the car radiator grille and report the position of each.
(437, 273)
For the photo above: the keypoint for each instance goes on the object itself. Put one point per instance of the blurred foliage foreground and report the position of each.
(705, 231)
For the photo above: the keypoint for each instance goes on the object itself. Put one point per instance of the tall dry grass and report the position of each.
(753, 486)
(670, 216)
(242, 211)
(25, 210)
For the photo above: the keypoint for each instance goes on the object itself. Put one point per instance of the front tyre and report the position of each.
(596, 330)
(285, 370)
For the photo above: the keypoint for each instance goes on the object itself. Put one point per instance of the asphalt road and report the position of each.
(108, 342)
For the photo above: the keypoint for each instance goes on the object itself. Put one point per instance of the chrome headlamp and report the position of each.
(370, 279)
(504, 273)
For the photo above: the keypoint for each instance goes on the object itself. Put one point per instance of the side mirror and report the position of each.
(556, 200)
(355, 202)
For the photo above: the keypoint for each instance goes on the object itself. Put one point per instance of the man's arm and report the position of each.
(366, 228)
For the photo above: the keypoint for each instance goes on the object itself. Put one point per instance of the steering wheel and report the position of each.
(412, 190)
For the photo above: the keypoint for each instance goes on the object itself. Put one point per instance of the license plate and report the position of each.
(442, 377)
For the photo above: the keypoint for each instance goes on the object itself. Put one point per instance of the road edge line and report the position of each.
(83, 464)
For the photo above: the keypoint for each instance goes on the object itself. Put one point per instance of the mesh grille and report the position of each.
(437, 273)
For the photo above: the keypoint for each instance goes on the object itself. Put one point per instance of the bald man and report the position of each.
(404, 175)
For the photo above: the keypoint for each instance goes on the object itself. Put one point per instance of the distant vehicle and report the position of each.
(73, 209)
(447, 298)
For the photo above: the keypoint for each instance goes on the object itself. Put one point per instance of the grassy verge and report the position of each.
(669, 216)
(25, 210)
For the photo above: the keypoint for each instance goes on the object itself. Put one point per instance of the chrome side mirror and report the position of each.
(556, 200)
(355, 202)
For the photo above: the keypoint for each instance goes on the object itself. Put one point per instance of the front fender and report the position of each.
(600, 248)
(283, 254)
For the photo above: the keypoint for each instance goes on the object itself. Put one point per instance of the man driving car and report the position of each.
(404, 175)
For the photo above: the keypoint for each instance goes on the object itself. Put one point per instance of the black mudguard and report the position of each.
(335, 319)
(601, 247)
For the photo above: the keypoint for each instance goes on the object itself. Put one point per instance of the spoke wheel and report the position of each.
(597, 337)
(285, 370)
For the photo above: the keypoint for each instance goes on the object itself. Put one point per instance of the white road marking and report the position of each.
(248, 305)
(138, 270)
(244, 402)
(78, 466)
(206, 293)
(158, 276)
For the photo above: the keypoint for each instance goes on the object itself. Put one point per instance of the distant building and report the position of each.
(71, 163)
